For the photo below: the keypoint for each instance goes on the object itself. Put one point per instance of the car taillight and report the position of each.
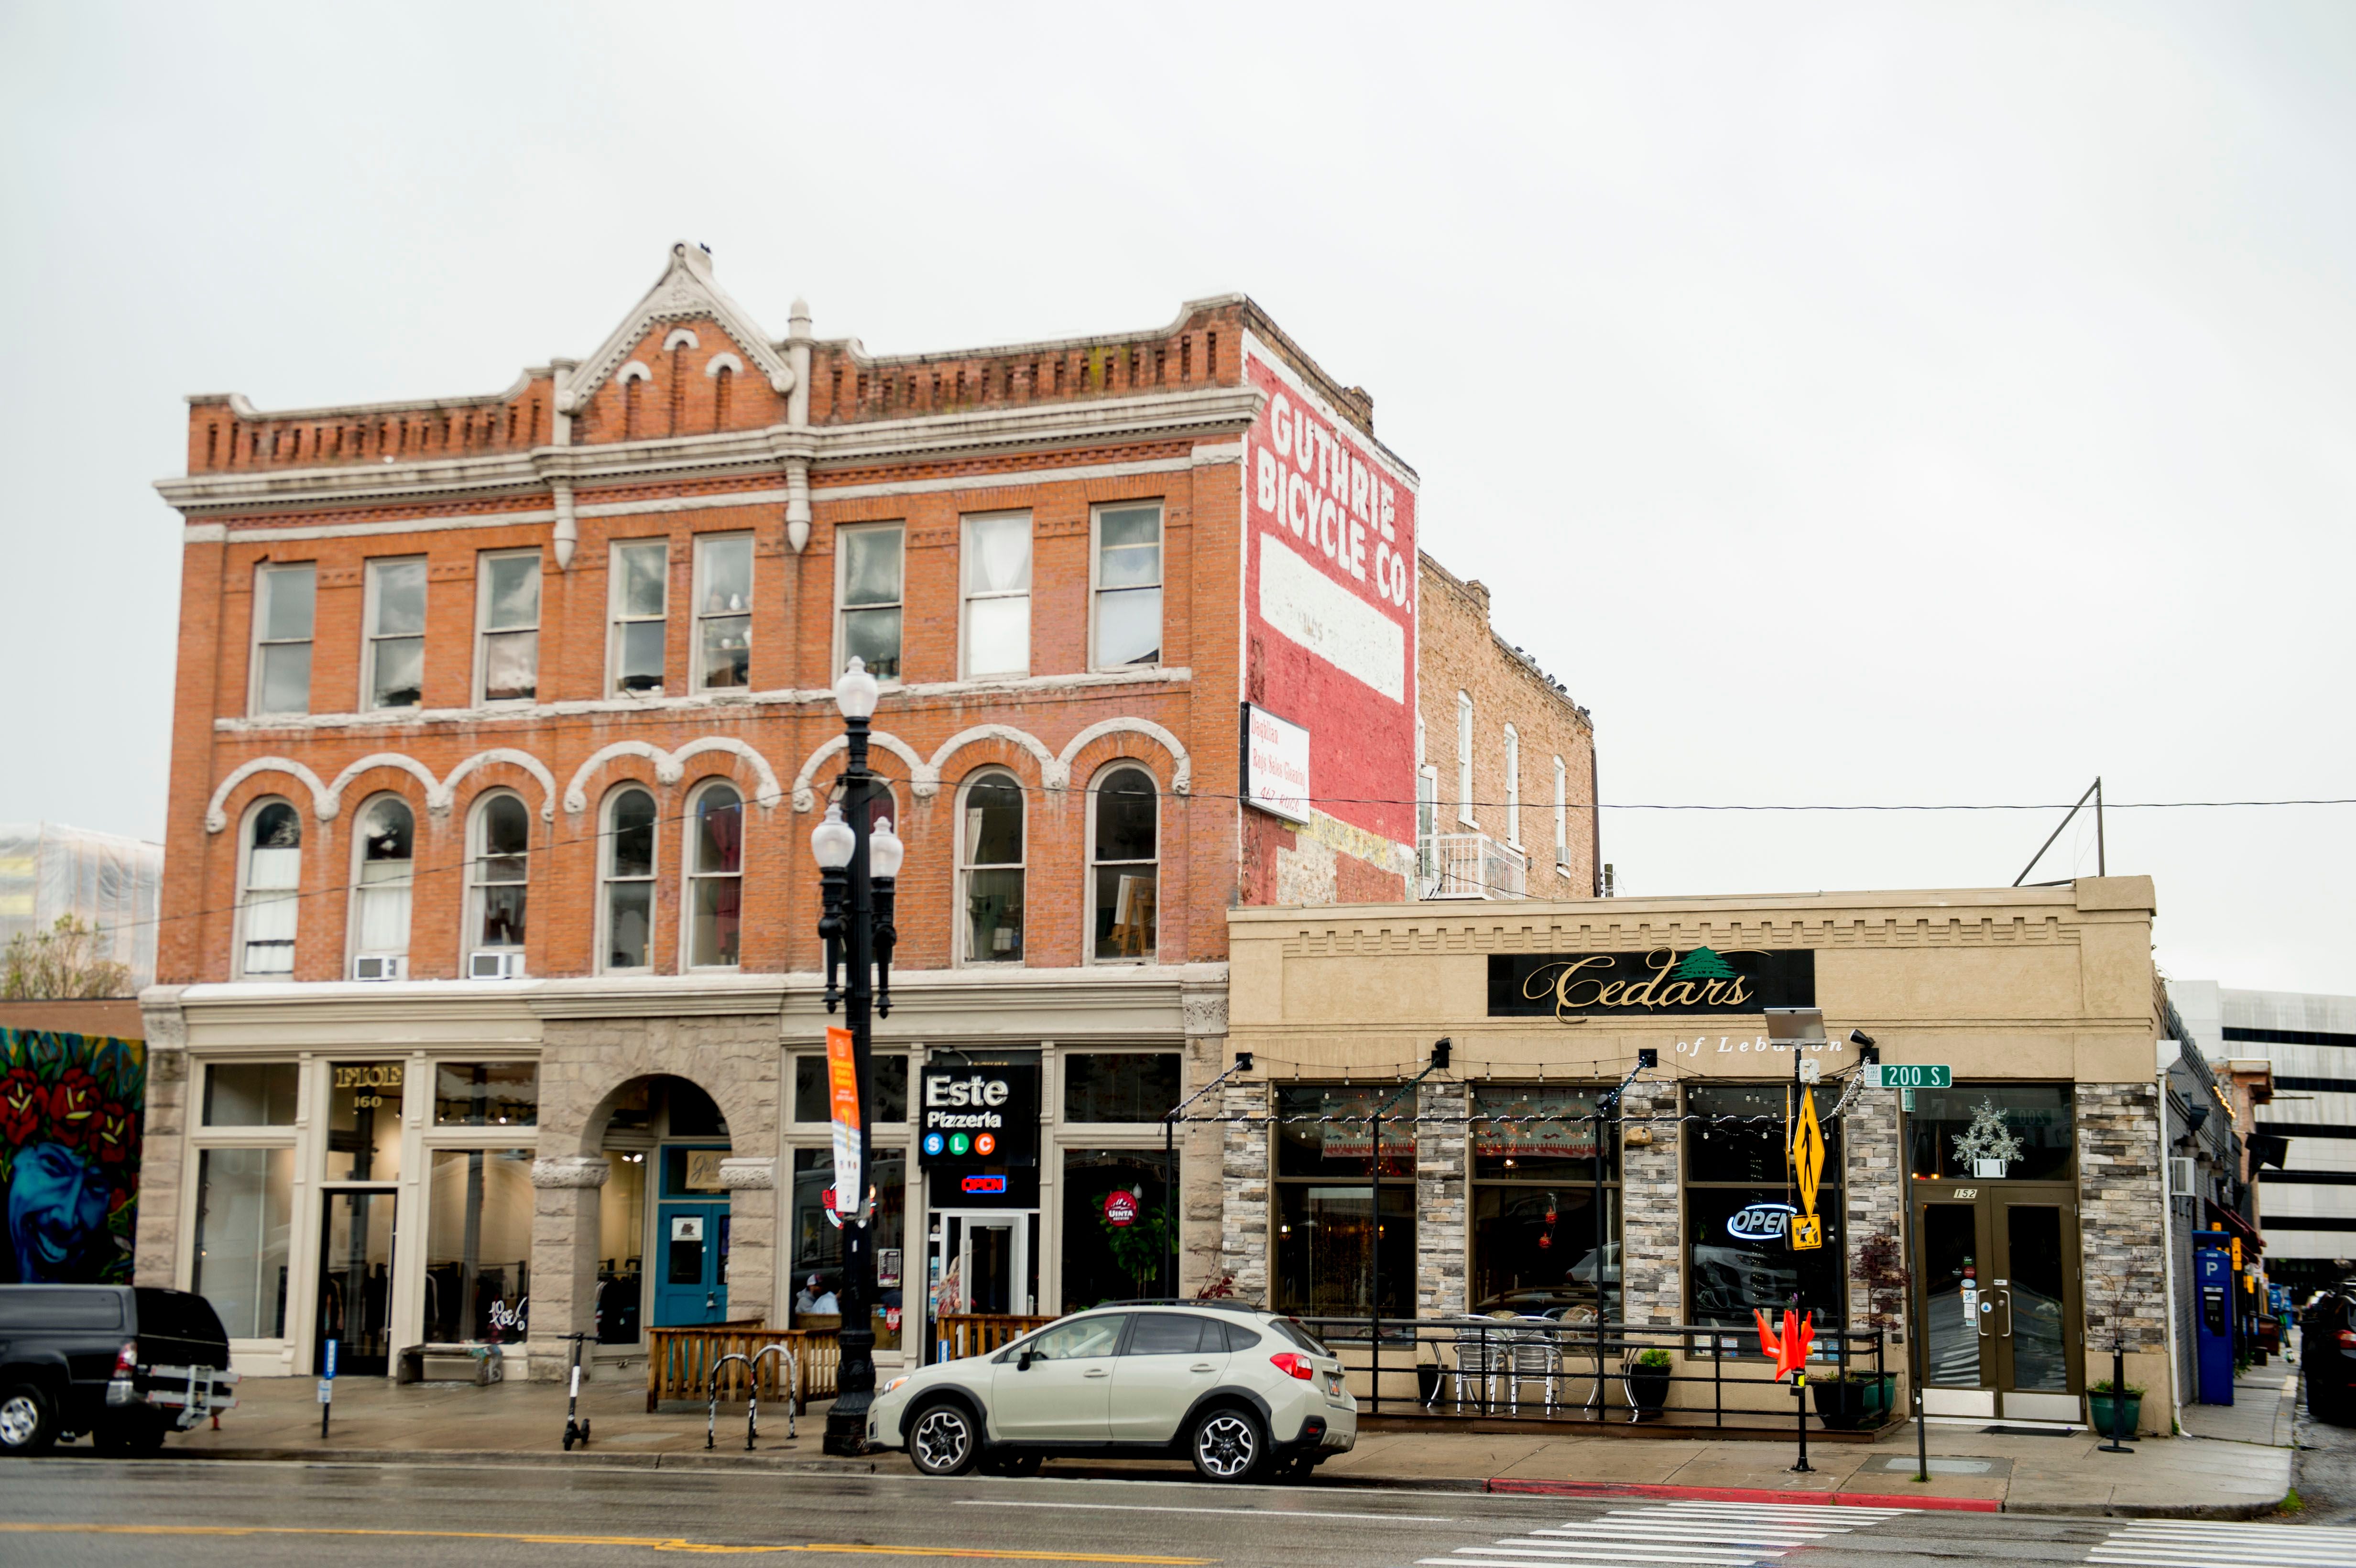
(2348, 1339)
(126, 1360)
(1292, 1365)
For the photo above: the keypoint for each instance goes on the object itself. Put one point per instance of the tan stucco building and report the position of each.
(2028, 1193)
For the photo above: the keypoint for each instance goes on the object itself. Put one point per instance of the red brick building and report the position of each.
(501, 724)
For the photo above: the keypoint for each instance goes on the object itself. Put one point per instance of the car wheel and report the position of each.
(942, 1440)
(28, 1424)
(1229, 1445)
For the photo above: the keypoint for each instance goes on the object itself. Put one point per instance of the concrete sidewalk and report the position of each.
(278, 1418)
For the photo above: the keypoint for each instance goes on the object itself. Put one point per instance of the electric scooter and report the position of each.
(576, 1426)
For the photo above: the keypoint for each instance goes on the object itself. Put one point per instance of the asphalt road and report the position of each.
(246, 1515)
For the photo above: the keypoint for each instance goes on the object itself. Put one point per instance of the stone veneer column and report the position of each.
(564, 1214)
(2119, 1231)
(1200, 1142)
(1652, 1262)
(163, 1139)
(1441, 1248)
(1244, 1194)
(1873, 1192)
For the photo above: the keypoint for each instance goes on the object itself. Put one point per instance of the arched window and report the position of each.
(385, 845)
(629, 881)
(716, 876)
(1124, 842)
(274, 880)
(1464, 758)
(498, 880)
(989, 862)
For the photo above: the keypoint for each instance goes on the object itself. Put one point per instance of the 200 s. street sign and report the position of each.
(979, 1115)
(1573, 987)
(1909, 1075)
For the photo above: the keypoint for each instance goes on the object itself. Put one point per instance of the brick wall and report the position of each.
(1461, 654)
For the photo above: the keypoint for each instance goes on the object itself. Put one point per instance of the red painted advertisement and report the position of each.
(1330, 599)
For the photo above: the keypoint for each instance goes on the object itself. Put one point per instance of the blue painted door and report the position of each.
(691, 1277)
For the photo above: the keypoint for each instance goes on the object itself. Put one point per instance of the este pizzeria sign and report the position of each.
(1572, 987)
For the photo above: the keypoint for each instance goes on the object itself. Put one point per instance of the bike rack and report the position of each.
(753, 1392)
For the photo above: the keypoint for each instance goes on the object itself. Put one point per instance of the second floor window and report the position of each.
(1464, 759)
(869, 597)
(274, 880)
(724, 612)
(393, 669)
(716, 876)
(640, 594)
(629, 881)
(989, 849)
(499, 874)
(506, 654)
(380, 896)
(1127, 619)
(1512, 785)
(1561, 813)
(997, 562)
(1124, 846)
(282, 600)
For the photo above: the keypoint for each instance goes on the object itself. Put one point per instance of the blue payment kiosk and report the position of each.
(2212, 1286)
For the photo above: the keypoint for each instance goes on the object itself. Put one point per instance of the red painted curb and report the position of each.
(1739, 1495)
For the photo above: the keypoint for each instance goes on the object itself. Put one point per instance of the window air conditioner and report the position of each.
(2181, 1177)
(381, 969)
(506, 965)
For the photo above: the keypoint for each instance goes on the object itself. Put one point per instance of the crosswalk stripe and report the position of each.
(1685, 1532)
(1701, 1533)
(1518, 1546)
(1706, 1559)
(1616, 1523)
(2262, 1532)
(1614, 1553)
(2286, 1555)
(2217, 1543)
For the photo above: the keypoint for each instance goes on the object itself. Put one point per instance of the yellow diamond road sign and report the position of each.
(1807, 1154)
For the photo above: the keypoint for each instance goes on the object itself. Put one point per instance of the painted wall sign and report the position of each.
(975, 1114)
(72, 1107)
(1575, 986)
(1329, 595)
(1276, 765)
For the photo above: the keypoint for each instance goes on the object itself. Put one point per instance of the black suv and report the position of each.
(125, 1363)
(2327, 1353)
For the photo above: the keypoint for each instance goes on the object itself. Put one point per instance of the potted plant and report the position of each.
(1858, 1400)
(1647, 1379)
(2099, 1408)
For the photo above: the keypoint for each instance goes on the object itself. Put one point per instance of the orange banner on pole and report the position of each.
(842, 1094)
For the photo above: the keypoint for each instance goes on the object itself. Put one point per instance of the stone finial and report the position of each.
(798, 324)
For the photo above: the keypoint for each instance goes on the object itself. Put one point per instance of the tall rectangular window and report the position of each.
(1512, 785)
(1546, 1233)
(724, 612)
(1561, 814)
(284, 597)
(1738, 1207)
(392, 666)
(869, 593)
(1464, 760)
(478, 1243)
(640, 594)
(997, 566)
(506, 637)
(245, 1210)
(1127, 619)
(1326, 1225)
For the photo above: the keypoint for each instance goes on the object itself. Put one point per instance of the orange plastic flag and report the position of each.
(1768, 1344)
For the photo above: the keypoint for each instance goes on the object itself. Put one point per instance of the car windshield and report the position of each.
(1072, 1340)
(1291, 1329)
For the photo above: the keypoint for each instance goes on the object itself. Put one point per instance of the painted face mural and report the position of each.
(70, 1123)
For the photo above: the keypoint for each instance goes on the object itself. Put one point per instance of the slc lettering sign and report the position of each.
(977, 1114)
(1575, 986)
(1330, 602)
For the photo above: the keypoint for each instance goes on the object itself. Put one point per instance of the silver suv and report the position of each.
(1242, 1392)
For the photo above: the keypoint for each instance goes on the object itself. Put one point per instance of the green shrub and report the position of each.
(1654, 1358)
(2104, 1387)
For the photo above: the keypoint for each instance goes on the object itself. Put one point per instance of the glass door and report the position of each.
(980, 1266)
(692, 1288)
(1955, 1245)
(1999, 1305)
(355, 1281)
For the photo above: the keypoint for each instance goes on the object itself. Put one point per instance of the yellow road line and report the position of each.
(647, 1543)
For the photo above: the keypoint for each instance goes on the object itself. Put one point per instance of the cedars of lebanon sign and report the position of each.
(1575, 986)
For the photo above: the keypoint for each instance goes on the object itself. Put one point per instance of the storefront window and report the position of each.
(2010, 1132)
(251, 1094)
(1535, 1204)
(486, 1094)
(244, 1204)
(1326, 1219)
(1740, 1203)
(812, 1102)
(1117, 1240)
(621, 1238)
(364, 1121)
(478, 1245)
(1134, 1086)
(816, 1278)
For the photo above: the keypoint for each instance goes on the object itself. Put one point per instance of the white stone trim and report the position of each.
(1182, 771)
(1052, 773)
(685, 289)
(323, 803)
(822, 492)
(671, 766)
(718, 362)
(683, 504)
(437, 800)
(571, 1170)
(635, 370)
(924, 779)
(524, 760)
(1211, 455)
(767, 795)
(204, 533)
(681, 337)
(744, 1173)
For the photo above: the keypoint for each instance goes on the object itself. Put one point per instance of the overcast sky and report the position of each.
(1869, 404)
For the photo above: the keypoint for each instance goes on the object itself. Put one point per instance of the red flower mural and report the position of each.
(23, 1101)
(115, 1134)
(74, 1102)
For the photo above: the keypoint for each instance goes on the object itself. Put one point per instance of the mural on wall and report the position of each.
(69, 1122)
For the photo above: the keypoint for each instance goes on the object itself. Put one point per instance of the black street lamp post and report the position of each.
(859, 865)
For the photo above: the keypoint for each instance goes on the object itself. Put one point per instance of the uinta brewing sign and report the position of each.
(1575, 986)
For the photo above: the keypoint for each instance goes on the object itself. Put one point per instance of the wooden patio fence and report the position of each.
(957, 1335)
(679, 1362)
